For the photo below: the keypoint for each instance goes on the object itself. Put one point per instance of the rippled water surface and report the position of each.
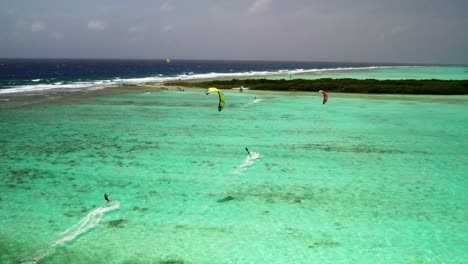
(362, 179)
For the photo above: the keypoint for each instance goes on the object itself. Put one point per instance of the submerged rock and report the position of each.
(225, 199)
(117, 223)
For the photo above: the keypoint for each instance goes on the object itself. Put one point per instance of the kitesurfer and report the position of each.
(220, 94)
(106, 196)
(248, 152)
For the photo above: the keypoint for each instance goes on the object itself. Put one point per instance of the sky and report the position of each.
(395, 31)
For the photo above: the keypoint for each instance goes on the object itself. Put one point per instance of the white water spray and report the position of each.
(251, 103)
(91, 220)
(249, 160)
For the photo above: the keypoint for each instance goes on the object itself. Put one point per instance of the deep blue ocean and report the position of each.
(42, 74)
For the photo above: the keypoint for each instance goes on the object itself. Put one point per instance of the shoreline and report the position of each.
(360, 74)
(341, 86)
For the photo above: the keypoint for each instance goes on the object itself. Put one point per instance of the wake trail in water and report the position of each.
(91, 220)
(251, 103)
(249, 160)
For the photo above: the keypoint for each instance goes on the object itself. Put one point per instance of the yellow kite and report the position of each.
(221, 97)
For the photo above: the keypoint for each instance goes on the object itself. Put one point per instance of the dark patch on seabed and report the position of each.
(9, 250)
(226, 199)
(312, 241)
(324, 243)
(358, 200)
(207, 230)
(140, 209)
(278, 194)
(19, 177)
(352, 148)
(117, 223)
(171, 261)
(76, 212)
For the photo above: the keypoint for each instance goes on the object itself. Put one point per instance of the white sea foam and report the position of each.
(41, 87)
(185, 76)
(91, 220)
(249, 160)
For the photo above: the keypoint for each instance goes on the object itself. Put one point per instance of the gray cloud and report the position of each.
(57, 35)
(165, 7)
(259, 6)
(97, 25)
(419, 31)
(136, 29)
(167, 28)
(37, 26)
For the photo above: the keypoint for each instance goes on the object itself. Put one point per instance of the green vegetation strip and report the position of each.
(340, 85)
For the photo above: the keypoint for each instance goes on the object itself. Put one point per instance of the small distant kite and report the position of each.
(221, 97)
(325, 96)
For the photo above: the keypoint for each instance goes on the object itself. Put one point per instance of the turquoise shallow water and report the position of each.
(362, 179)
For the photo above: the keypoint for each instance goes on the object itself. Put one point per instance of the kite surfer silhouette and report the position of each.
(246, 149)
(106, 196)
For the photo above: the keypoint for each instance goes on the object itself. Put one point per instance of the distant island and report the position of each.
(436, 87)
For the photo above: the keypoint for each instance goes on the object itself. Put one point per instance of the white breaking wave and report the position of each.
(249, 160)
(41, 87)
(89, 221)
(185, 76)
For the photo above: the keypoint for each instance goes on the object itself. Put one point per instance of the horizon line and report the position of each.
(237, 60)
